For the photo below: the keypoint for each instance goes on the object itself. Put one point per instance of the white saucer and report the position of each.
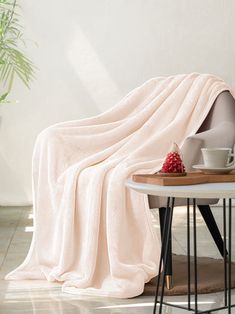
(210, 170)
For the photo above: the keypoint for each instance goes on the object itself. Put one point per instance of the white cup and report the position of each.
(217, 157)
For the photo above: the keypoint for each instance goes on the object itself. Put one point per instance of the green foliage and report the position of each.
(13, 61)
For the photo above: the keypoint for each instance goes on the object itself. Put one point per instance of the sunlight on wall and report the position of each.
(90, 70)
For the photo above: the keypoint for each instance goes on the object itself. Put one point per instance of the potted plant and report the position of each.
(13, 61)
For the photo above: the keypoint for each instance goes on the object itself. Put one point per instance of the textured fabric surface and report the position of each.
(207, 281)
(92, 233)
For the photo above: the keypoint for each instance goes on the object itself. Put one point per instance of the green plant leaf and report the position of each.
(3, 97)
(13, 61)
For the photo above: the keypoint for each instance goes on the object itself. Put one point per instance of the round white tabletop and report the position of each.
(205, 190)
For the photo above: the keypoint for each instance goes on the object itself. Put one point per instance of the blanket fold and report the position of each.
(91, 233)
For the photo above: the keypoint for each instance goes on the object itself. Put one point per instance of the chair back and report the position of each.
(223, 110)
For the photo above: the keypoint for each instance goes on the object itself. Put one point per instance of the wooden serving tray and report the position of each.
(190, 178)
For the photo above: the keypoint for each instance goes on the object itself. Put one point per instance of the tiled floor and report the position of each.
(24, 297)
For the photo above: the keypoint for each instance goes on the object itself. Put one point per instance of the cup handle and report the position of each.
(230, 164)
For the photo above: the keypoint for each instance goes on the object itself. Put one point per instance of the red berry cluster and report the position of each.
(173, 163)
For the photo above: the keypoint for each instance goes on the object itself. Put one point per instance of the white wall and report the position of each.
(91, 53)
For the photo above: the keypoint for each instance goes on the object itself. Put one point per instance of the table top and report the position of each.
(205, 190)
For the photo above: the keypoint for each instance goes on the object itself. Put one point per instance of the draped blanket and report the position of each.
(91, 232)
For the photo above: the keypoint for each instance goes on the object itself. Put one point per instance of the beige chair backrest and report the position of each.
(223, 110)
(218, 130)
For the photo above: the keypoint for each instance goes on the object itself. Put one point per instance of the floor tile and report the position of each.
(42, 297)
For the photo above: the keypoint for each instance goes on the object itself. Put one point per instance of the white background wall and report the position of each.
(91, 53)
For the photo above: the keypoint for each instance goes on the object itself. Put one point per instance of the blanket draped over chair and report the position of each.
(90, 232)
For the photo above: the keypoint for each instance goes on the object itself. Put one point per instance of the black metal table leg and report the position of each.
(160, 262)
(225, 252)
(165, 243)
(195, 253)
(163, 219)
(168, 233)
(188, 254)
(229, 253)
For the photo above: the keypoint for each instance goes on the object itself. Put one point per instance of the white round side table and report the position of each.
(207, 190)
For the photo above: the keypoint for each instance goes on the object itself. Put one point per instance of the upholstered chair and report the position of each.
(217, 130)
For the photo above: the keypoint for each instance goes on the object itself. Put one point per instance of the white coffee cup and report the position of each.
(217, 157)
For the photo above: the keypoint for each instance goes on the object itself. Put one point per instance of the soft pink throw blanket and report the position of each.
(91, 233)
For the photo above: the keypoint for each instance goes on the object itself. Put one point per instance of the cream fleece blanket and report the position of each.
(91, 233)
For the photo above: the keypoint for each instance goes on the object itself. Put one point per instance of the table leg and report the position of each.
(227, 260)
(225, 252)
(161, 261)
(188, 254)
(229, 253)
(168, 233)
(164, 217)
(195, 253)
(165, 245)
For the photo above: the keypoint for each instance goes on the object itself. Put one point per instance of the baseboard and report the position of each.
(4, 203)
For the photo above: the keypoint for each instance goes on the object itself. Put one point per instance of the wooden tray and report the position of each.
(190, 178)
